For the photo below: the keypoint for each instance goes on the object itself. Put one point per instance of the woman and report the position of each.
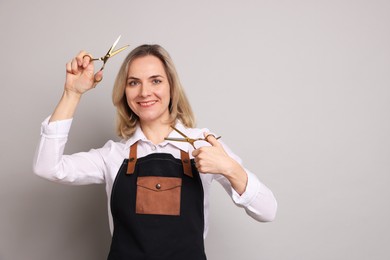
(158, 188)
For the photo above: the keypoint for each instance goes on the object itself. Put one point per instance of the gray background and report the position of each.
(298, 89)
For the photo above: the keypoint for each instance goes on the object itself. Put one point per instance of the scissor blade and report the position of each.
(179, 132)
(118, 50)
(176, 139)
(113, 46)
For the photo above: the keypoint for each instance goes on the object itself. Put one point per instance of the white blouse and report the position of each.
(102, 165)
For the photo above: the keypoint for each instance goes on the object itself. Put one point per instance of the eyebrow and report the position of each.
(151, 77)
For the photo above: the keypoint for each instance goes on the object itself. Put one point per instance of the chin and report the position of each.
(148, 118)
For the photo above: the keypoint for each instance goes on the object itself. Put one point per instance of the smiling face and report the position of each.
(147, 90)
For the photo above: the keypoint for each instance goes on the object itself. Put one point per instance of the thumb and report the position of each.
(211, 139)
(98, 76)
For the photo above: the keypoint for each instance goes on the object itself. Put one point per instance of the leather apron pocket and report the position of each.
(158, 195)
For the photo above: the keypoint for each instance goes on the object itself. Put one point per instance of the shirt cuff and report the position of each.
(253, 187)
(56, 129)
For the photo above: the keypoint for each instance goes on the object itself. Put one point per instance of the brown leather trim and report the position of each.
(132, 159)
(185, 160)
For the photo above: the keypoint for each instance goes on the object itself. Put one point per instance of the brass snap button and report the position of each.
(158, 186)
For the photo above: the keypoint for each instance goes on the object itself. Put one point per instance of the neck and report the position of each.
(156, 132)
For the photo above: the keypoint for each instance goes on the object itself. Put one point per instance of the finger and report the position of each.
(83, 59)
(197, 166)
(196, 159)
(98, 77)
(74, 66)
(69, 67)
(80, 57)
(195, 152)
(211, 139)
(87, 58)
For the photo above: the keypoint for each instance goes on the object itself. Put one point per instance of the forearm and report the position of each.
(66, 106)
(237, 176)
(257, 199)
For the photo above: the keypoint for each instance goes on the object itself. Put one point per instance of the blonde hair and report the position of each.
(179, 107)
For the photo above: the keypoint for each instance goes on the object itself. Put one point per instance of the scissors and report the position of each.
(188, 139)
(109, 54)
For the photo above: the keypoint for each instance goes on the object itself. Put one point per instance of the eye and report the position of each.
(156, 81)
(133, 83)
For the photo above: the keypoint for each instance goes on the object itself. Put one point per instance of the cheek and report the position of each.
(166, 93)
(129, 97)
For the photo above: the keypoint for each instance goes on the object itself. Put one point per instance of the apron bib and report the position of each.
(157, 208)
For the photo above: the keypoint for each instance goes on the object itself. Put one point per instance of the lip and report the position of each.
(147, 103)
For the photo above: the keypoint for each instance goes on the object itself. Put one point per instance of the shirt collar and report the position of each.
(137, 136)
(140, 136)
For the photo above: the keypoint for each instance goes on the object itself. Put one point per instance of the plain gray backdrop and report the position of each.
(300, 90)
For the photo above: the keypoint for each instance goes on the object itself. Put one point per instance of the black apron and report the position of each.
(157, 209)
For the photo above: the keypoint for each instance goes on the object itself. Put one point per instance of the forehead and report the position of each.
(146, 66)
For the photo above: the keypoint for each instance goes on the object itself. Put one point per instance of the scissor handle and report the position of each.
(207, 136)
(90, 57)
(94, 59)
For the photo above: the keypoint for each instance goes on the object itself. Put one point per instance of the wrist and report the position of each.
(231, 169)
(237, 176)
(66, 108)
(72, 95)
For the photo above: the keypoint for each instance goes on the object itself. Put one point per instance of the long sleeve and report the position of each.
(257, 200)
(50, 162)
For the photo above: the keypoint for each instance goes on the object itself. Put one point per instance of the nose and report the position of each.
(145, 90)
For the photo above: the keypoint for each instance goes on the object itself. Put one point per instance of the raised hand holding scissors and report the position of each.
(80, 75)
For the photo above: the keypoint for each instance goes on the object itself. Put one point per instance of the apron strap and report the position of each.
(185, 160)
(132, 159)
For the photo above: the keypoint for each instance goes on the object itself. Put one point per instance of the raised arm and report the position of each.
(49, 161)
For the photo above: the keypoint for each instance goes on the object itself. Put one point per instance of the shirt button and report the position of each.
(158, 186)
(153, 147)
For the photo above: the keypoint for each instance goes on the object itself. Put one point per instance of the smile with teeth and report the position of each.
(147, 103)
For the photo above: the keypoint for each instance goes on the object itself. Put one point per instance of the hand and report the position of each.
(80, 74)
(213, 159)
